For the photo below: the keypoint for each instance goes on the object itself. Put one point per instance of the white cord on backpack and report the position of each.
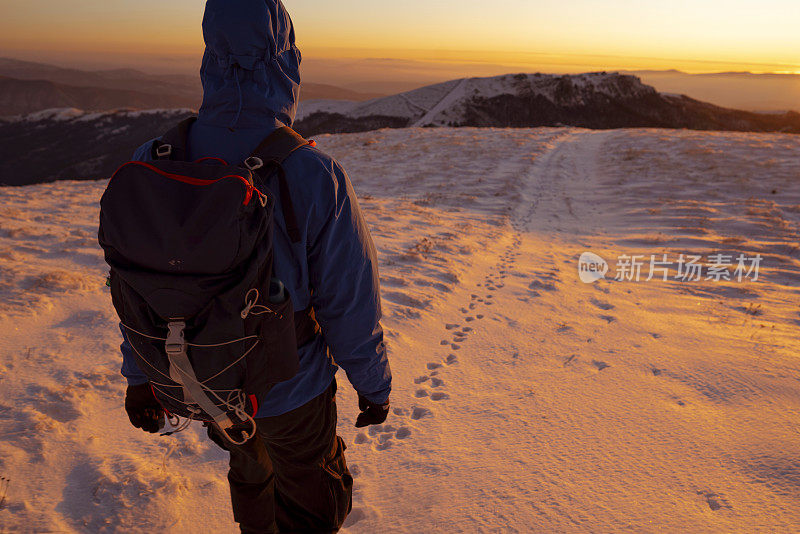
(190, 344)
(239, 407)
(250, 304)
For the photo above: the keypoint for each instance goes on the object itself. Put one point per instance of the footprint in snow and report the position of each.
(421, 379)
(714, 501)
(600, 365)
(419, 413)
(451, 326)
(61, 406)
(608, 318)
(451, 359)
(384, 444)
(405, 300)
(437, 382)
(544, 286)
(422, 392)
(439, 396)
(601, 304)
(433, 365)
(602, 289)
(383, 435)
(381, 429)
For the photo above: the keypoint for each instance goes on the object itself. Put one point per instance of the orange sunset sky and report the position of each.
(550, 35)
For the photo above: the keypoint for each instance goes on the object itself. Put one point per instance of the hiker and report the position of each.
(291, 476)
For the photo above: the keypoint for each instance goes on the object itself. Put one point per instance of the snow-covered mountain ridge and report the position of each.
(435, 102)
(593, 100)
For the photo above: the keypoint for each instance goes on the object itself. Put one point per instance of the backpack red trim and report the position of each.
(250, 188)
(254, 402)
(210, 158)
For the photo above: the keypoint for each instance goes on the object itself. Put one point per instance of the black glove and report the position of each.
(143, 409)
(371, 413)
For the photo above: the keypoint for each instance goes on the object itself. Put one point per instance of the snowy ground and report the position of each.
(524, 399)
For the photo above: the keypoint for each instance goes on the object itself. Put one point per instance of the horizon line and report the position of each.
(71, 63)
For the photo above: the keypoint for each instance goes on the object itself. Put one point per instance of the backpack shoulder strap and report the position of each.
(172, 145)
(268, 157)
(279, 145)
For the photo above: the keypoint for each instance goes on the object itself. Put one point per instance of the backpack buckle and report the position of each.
(164, 151)
(253, 162)
(176, 341)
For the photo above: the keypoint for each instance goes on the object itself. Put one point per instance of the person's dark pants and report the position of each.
(291, 476)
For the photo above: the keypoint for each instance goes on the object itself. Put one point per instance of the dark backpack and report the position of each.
(190, 250)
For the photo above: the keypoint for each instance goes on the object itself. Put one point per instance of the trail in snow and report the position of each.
(544, 379)
(447, 101)
(524, 400)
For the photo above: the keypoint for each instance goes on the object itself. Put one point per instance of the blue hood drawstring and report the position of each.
(235, 67)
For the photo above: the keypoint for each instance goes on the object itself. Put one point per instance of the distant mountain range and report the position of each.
(27, 87)
(69, 144)
(766, 92)
(594, 100)
(73, 144)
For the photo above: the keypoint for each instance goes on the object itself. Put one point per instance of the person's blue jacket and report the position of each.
(251, 82)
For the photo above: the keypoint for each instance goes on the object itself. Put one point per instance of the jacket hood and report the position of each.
(251, 65)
